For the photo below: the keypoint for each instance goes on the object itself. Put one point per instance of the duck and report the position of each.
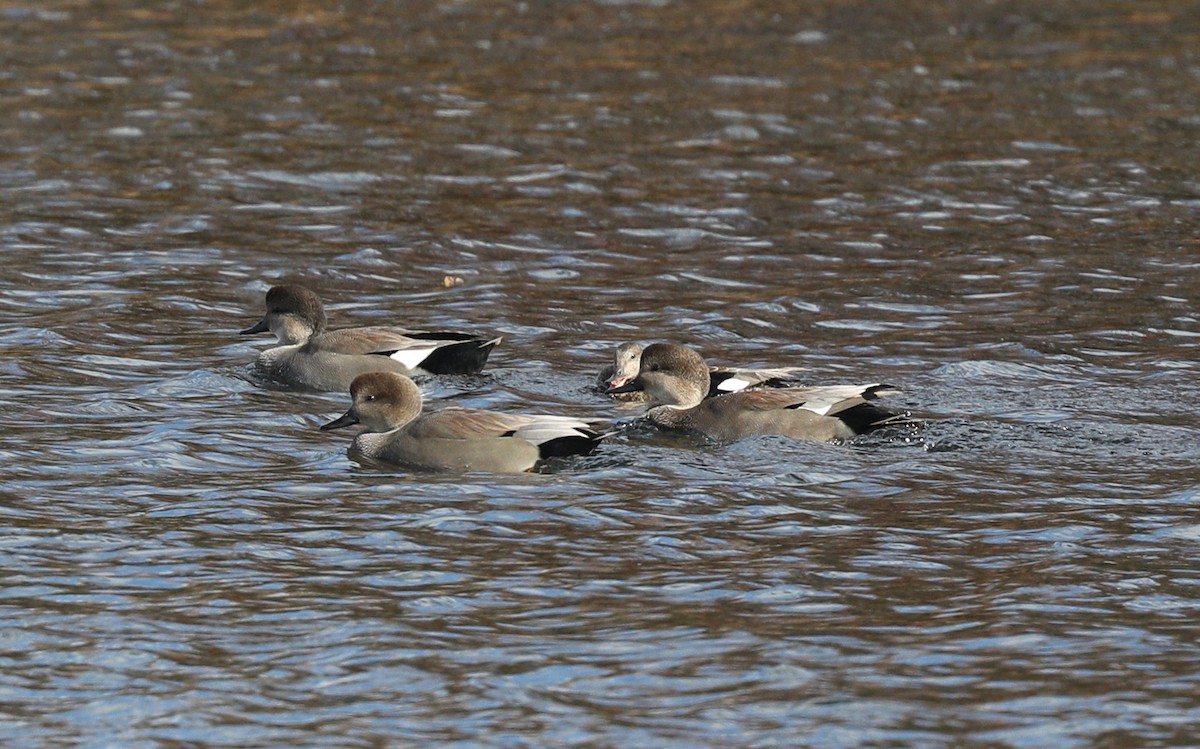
(677, 382)
(628, 356)
(318, 359)
(388, 406)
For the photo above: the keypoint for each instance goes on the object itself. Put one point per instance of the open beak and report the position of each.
(345, 420)
(617, 381)
(630, 386)
(259, 327)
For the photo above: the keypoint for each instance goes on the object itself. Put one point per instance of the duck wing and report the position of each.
(732, 380)
(473, 423)
(827, 400)
(466, 423)
(371, 340)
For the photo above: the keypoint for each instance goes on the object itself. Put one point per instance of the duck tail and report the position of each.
(460, 357)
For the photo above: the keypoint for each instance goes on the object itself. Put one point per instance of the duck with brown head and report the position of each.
(388, 405)
(676, 380)
(627, 359)
(309, 356)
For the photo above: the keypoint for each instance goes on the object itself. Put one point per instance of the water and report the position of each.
(990, 206)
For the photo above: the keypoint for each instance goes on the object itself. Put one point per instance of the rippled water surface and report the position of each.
(990, 205)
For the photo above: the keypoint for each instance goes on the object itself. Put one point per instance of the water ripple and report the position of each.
(190, 561)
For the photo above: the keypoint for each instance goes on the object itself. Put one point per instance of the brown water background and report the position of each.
(990, 205)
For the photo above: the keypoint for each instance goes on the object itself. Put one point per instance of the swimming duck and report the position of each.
(628, 357)
(677, 382)
(388, 405)
(312, 357)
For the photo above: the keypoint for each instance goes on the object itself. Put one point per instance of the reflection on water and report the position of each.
(991, 207)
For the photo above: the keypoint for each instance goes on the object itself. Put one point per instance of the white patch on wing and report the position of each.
(818, 408)
(733, 384)
(412, 357)
(545, 428)
(822, 399)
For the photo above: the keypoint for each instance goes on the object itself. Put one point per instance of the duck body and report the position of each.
(454, 439)
(818, 413)
(312, 357)
(677, 382)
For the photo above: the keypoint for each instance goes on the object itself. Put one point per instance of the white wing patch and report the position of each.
(733, 384)
(412, 357)
(545, 428)
(822, 399)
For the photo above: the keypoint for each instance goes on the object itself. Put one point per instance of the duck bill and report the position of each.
(632, 386)
(617, 381)
(345, 420)
(259, 327)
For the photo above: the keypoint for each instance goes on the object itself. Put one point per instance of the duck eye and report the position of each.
(369, 398)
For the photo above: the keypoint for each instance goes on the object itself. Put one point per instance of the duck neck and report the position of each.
(291, 331)
(688, 397)
(670, 416)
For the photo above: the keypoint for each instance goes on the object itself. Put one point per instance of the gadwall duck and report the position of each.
(677, 381)
(388, 405)
(312, 357)
(628, 357)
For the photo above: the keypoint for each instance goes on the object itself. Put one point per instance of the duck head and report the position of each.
(671, 375)
(381, 402)
(626, 362)
(294, 314)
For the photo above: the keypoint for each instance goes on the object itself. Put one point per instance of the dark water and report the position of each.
(992, 206)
